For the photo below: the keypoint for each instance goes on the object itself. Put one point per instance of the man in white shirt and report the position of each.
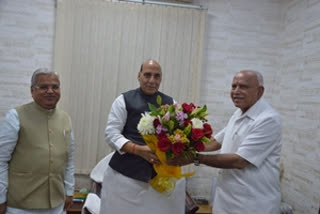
(36, 152)
(249, 179)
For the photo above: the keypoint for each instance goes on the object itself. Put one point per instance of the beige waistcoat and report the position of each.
(37, 166)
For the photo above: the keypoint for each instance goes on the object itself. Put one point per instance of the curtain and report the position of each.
(99, 48)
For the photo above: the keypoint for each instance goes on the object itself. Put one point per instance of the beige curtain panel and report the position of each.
(99, 48)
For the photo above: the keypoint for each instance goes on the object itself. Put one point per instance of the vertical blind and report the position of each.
(99, 48)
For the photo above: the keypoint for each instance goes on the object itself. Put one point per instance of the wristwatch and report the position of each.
(196, 160)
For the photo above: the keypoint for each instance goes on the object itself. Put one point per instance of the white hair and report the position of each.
(40, 71)
(259, 77)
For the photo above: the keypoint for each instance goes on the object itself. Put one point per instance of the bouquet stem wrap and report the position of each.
(164, 181)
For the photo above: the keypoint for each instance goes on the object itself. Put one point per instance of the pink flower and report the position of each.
(177, 137)
(166, 117)
(160, 128)
(181, 116)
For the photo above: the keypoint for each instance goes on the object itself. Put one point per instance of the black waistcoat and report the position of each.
(130, 165)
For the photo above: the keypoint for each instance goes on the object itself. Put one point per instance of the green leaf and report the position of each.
(187, 130)
(162, 112)
(203, 114)
(204, 108)
(199, 111)
(195, 112)
(159, 100)
(171, 109)
(153, 109)
(171, 125)
(205, 140)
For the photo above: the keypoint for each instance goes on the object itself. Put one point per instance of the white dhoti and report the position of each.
(121, 194)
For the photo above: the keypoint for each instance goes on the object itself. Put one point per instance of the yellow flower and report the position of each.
(179, 136)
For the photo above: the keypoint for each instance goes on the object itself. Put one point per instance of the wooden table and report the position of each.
(75, 208)
(204, 209)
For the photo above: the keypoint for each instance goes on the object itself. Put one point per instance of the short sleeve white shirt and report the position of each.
(256, 137)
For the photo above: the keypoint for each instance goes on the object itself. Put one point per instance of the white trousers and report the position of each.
(57, 210)
(121, 194)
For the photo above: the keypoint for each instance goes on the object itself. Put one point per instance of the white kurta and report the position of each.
(121, 194)
(256, 137)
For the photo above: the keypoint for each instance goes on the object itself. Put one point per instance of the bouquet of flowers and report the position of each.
(172, 130)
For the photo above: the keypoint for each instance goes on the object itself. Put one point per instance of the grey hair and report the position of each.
(259, 77)
(40, 71)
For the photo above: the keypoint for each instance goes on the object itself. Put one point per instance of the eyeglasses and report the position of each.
(45, 88)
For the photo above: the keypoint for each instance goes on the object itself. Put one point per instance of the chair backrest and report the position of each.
(91, 205)
(97, 173)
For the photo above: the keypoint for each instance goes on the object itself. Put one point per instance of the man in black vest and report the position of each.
(125, 187)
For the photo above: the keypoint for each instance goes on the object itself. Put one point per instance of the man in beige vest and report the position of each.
(36, 152)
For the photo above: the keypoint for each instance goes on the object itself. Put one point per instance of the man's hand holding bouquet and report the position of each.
(172, 130)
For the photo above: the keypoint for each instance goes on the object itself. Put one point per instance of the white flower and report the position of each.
(145, 125)
(197, 123)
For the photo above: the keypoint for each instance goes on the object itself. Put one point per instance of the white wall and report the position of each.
(26, 43)
(299, 104)
(280, 38)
